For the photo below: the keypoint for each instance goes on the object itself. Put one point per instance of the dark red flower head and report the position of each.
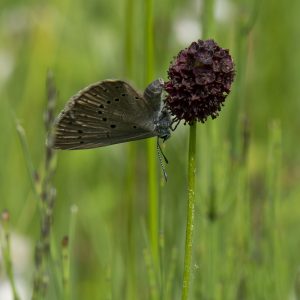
(200, 78)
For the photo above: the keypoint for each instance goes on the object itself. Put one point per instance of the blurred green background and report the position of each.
(247, 236)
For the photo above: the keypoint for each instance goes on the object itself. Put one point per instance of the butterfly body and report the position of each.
(111, 112)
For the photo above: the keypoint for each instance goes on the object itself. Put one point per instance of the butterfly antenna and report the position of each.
(160, 150)
(159, 153)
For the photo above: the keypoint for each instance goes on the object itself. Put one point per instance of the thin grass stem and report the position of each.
(129, 38)
(34, 180)
(131, 169)
(66, 246)
(151, 143)
(6, 252)
(150, 267)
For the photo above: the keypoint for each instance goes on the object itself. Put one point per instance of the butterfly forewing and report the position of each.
(104, 113)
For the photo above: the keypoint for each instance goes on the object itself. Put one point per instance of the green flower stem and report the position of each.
(207, 27)
(190, 212)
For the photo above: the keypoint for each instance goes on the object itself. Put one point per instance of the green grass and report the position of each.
(122, 245)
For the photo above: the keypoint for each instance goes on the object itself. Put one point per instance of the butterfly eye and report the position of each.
(117, 99)
(123, 95)
(108, 102)
(136, 97)
(113, 126)
(134, 126)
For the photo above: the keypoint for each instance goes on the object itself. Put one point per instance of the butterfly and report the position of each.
(111, 112)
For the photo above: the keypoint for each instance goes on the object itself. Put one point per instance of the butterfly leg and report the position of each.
(177, 121)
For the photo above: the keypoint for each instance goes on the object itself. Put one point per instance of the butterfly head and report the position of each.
(163, 124)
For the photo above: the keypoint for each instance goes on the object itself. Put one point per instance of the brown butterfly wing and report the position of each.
(104, 113)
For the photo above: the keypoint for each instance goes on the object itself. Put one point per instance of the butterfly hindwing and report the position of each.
(104, 113)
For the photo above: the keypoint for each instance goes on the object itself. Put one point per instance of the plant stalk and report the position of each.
(190, 211)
